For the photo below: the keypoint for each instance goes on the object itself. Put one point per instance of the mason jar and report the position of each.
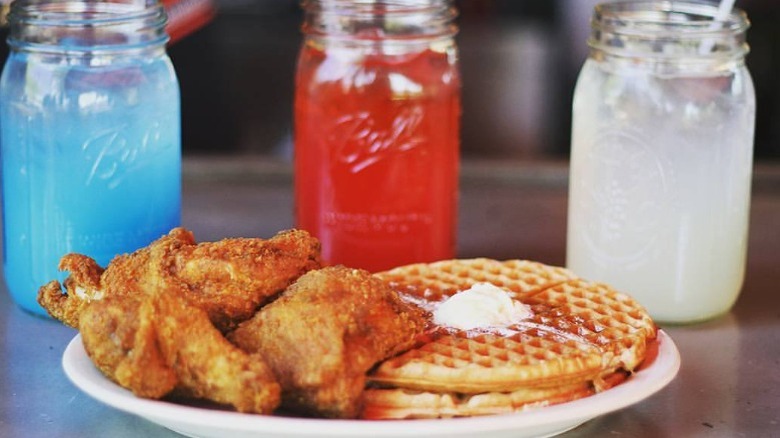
(377, 131)
(89, 136)
(661, 157)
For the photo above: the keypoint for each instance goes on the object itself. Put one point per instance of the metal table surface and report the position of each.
(728, 384)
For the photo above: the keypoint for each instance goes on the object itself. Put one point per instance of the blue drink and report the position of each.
(91, 156)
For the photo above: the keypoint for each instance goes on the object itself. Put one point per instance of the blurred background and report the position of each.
(519, 62)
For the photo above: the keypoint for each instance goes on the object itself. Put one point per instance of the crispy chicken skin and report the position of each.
(152, 325)
(158, 342)
(120, 338)
(232, 278)
(324, 333)
(206, 365)
(229, 279)
(87, 282)
(124, 273)
(83, 285)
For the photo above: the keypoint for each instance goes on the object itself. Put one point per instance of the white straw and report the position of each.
(724, 10)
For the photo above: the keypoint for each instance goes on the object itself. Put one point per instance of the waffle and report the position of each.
(583, 337)
(429, 284)
(405, 404)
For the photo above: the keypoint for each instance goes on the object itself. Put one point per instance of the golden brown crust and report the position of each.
(120, 338)
(148, 329)
(232, 278)
(206, 365)
(85, 275)
(324, 333)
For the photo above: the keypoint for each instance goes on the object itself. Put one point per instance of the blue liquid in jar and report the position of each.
(91, 162)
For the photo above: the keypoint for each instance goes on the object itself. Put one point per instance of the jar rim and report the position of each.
(668, 30)
(83, 12)
(691, 17)
(42, 25)
(397, 20)
(360, 7)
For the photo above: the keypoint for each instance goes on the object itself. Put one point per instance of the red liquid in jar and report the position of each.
(376, 155)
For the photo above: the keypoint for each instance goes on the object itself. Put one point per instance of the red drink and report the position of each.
(376, 153)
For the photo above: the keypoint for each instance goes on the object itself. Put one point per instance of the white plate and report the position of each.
(206, 423)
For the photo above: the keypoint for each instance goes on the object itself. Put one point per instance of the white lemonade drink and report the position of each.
(660, 188)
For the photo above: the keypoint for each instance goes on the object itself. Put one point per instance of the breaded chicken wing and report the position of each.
(148, 322)
(232, 278)
(324, 333)
(209, 367)
(124, 273)
(229, 279)
(83, 285)
(162, 343)
(88, 282)
(120, 337)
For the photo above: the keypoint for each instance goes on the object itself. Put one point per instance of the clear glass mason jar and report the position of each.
(661, 159)
(377, 129)
(89, 136)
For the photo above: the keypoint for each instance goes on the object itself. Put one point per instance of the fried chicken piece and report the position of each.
(120, 337)
(83, 284)
(156, 346)
(324, 333)
(207, 365)
(232, 278)
(229, 279)
(88, 282)
(125, 271)
(150, 330)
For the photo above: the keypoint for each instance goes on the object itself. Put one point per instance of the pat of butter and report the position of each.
(481, 306)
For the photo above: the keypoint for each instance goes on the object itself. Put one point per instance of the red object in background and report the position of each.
(376, 155)
(186, 16)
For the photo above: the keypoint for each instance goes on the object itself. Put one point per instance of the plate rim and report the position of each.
(85, 376)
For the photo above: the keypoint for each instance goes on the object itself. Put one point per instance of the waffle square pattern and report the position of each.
(579, 338)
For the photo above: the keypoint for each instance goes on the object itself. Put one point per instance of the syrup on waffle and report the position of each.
(583, 337)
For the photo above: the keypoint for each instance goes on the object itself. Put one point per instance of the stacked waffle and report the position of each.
(581, 338)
